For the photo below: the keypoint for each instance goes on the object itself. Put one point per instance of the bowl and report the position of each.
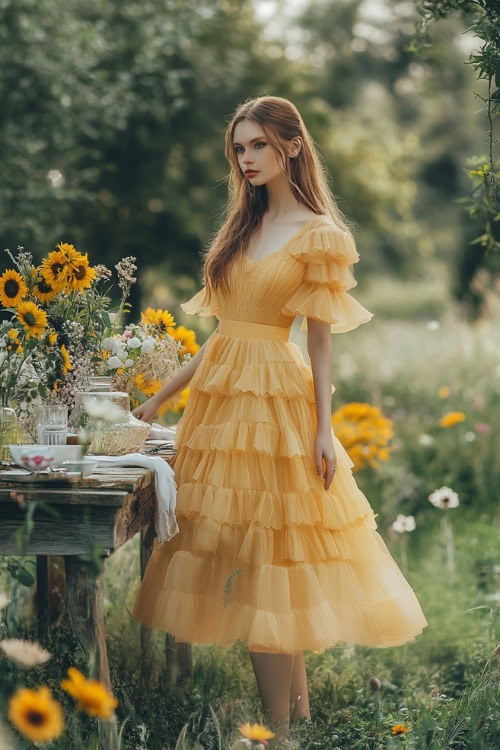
(84, 466)
(40, 457)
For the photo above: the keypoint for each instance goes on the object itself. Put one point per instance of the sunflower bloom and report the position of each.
(255, 731)
(79, 274)
(452, 418)
(91, 696)
(161, 319)
(54, 270)
(44, 291)
(53, 337)
(32, 318)
(36, 714)
(69, 251)
(66, 361)
(12, 288)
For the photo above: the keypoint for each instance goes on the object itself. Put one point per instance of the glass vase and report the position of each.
(8, 433)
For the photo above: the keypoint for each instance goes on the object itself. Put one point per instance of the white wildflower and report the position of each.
(121, 354)
(425, 439)
(403, 523)
(128, 363)
(148, 346)
(114, 363)
(109, 344)
(134, 343)
(469, 437)
(444, 498)
(24, 653)
(100, 408)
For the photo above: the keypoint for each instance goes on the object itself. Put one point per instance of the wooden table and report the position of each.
(105, 510)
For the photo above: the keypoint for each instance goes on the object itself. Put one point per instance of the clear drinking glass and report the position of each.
(52, 424)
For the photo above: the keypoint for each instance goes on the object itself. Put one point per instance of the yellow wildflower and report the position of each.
(452, 418)
(400, 729)
(91, 696)
(255, 732)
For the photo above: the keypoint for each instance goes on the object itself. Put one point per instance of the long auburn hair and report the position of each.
(308, 178)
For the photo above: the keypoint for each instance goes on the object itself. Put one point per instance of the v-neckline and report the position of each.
(287, 243)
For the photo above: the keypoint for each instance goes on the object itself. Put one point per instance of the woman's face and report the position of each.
(254, 151)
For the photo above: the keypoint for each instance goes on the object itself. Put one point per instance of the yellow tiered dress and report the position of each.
(264, 553)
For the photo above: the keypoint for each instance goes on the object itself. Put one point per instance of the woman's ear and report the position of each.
(297, 146)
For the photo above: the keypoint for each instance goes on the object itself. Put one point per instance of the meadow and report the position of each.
(440, 691)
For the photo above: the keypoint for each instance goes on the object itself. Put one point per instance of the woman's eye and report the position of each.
(259, 143)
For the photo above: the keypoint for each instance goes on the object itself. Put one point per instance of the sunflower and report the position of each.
(36, 714)
(44, 291)
(32, 318)
(91, 696)
(69, 251)
(79, 274)
(12, 288)
(162, 319)
(66, 361)
(53, 337)
(54, 269)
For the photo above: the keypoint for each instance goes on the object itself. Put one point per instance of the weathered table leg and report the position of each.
(42, 596)
(147, 537)
(179, 658)
(86, 609)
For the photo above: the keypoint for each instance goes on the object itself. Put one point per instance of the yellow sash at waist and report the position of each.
(245, 330)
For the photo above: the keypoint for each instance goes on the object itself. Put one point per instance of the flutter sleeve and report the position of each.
(198, 305)
(327, 254)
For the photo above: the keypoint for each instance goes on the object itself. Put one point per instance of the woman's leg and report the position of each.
(273, 673)
(299, 696)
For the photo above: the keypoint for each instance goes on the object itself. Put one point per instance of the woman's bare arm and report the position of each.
(319, 347)
(180, 380)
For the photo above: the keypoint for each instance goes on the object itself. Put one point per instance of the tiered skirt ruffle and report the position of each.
(264, 553)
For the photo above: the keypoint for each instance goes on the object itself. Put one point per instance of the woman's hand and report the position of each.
(147, 410)
(324, 450)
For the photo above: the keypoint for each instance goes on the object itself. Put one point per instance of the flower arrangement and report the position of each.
(146, 355)
(60, 313)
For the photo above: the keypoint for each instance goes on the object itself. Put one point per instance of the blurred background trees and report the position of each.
(113, 115)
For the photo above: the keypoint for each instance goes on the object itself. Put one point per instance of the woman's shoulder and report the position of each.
(323, 241)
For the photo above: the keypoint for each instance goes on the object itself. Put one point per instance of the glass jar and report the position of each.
(8, 432)
(100, 387)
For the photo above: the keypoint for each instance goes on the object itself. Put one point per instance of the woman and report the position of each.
(267, 505)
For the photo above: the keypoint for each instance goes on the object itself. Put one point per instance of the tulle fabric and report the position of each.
(328, 254)
(264, 553)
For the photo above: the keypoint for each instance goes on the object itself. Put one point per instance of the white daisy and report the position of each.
(444, 498)
(24, 653)
(403, 523)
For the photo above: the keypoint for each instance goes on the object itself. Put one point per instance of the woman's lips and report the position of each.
(251, 172)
